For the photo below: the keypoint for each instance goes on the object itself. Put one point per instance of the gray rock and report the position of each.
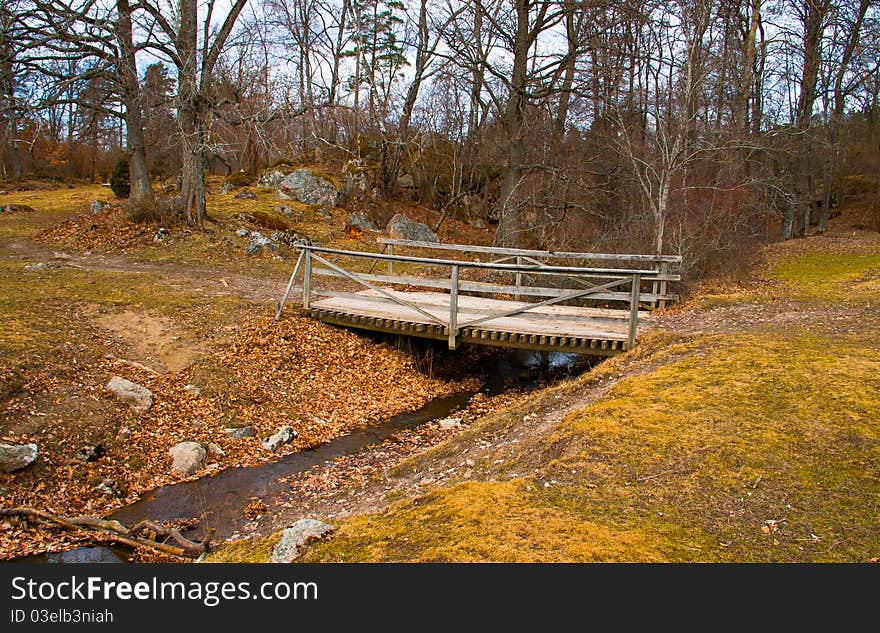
(97, 207)
(282, 436)
(258, 243)
(324, 213)
(297, 535)
(238, 432)
(91, 453)
(403, 228)
(303, 185)
(406, 181)
(42, 266)
(450, 423)
(109, 488)
(214, 450)
(227, 188)
(188, 457)
(194, 390)
(360, 221)
(242, 232)
(270, 178)
(138, 397)
(16, 456)
(478, 224)
(244, 194)
(161, 234)
(286, 210)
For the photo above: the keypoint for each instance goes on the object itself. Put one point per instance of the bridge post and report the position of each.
(634, 309)
(453, 308)
(519, 262)
(390, 261)
(307, 279)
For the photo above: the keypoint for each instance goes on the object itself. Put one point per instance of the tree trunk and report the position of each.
(814, 20)
(141, 189)
(192, 191)
(508, 233)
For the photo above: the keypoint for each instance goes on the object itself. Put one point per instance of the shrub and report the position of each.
(161, 210)
(119, 178)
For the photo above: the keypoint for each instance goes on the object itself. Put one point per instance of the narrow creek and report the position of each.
(218, 501)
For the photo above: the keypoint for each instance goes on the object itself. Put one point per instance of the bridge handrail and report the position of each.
(496, 250)
(646, 274)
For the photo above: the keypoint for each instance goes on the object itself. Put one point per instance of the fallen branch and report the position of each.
(137, 537)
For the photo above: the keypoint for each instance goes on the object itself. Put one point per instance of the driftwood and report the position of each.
(142, 535)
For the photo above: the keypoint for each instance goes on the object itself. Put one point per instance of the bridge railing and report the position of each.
(665, 267)
(614, 284)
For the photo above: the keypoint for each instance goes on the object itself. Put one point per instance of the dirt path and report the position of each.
(212, 282)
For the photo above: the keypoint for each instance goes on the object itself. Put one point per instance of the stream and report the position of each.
(218, 500)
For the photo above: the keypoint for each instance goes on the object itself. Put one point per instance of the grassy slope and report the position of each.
(756, 445)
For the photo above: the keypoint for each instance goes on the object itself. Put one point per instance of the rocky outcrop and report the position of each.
(16, 456)
(401, 227)
(306, 187)
(136, 396)
(245, 194)
(297, 535)
(188, 457)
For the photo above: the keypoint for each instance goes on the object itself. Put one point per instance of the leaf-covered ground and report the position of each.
(114, 301)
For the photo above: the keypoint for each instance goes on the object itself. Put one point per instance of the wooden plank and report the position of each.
(472, 248)
(431, 261)
(484, 287)
(479, 305)
(521, 323)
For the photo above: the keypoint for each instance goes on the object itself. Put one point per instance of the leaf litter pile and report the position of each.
(321, 381)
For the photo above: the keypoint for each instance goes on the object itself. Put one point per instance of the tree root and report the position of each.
(142, 535)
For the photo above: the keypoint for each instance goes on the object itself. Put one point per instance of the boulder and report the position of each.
(270, 178)
(401, 227)
(136, 396)
(188, 457)
(303, 185)
(214, 450)
(297, 535)
(282, 436)
(238, 432)
(193, 390)
(259, 243)
(245, 194)
(161, 234)
(97, 207)
(16, 456)
(324, 213)
(227, 188)
(362, 222)
(242, 232)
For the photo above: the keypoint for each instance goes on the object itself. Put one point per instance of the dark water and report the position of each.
(218, 501)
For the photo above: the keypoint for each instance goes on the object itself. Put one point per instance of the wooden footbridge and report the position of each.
(513, 299)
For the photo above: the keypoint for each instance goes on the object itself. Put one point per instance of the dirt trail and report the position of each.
(212, 282)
